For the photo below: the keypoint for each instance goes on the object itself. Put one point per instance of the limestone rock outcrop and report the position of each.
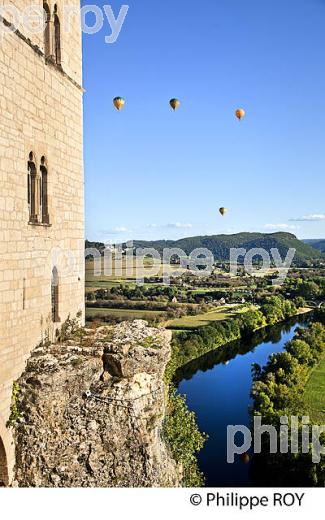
(91, 411)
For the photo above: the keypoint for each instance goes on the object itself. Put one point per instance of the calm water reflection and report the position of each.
(217, 387)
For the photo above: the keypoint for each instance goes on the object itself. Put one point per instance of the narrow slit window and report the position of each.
(31, 189)
(55, 295)
(47, 30)
(44, 192)
(57, 36)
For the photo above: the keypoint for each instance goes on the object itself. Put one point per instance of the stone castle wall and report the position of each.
(40, 112)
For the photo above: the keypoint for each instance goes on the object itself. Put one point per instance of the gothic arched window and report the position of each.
(43, 192)
(57, 36)
(55, 295)
(31, 188)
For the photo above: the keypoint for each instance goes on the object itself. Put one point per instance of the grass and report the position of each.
(201, 320)
(127, 276)
(122, 272)
(207, 290)
(315, 394)
(94, 285)
(121, 313)
(136, 305)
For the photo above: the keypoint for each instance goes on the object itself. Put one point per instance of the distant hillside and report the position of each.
(220, 245)
(94, 245)
(97, 245)
(316, 244)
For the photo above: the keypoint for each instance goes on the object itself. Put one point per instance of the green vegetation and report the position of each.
(206, 313)
(316, 244)
(308, 285)
(201, 320)
(180, 428)
(70, 327)
(150, 342)
(126, 270)
(192, 302)
(118, 315)
(187, 346)
(156, 303)
(14, 411)
(184, 438)
(286, 386)
(315, 394)
(220, 245)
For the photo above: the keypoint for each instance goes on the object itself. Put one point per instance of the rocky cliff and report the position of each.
(90, 411)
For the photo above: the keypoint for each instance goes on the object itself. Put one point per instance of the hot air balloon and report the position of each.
(119, 103)
(174, 103)
(245, 458)
(223, 211)
(240, 113)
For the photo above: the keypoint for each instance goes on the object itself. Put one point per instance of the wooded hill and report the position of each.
(220, 245)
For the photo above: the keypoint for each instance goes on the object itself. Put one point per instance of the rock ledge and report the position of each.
(91, 411)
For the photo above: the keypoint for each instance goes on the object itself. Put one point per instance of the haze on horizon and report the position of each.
(154, 174)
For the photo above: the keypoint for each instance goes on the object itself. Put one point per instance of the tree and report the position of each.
(301, 351)
(308, 290)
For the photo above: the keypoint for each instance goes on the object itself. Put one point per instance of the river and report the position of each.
(217, 387)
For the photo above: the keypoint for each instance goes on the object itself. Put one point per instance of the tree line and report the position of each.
(278, 391)
(187, 346)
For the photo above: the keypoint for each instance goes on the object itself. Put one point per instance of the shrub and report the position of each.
(184, 438)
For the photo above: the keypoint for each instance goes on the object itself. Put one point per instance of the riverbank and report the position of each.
(188, 346)
(217, 387)
(290, 385)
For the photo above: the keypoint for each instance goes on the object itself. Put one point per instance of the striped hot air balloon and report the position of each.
(223, 211)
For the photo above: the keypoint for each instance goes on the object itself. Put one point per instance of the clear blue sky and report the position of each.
(151, 173)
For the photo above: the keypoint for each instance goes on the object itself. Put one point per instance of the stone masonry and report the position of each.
(40, 114)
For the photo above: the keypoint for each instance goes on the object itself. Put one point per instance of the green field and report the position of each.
(122, 313)
(201, 320)
(123, 271)
(94, 285)
(315, 394)
(193, 322)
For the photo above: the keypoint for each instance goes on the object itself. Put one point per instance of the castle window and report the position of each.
(24, 294)
(55, 295)
(3, 466)
(31, 188)
(43, 192)
(57, 36)
(47, 31)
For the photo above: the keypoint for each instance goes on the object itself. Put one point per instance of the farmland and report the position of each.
(122, 314)
(134, 288)
(201, 320)
(126, 271)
